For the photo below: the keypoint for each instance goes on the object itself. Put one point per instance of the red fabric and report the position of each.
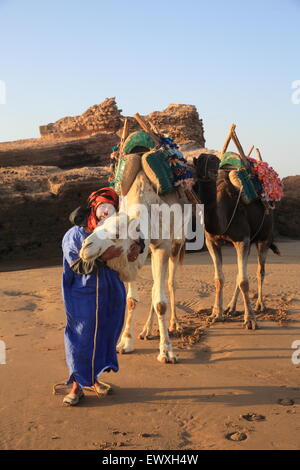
(104, 195)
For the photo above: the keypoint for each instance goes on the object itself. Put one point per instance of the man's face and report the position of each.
(104, 211)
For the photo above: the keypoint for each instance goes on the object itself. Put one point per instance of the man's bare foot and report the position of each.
(75, 388)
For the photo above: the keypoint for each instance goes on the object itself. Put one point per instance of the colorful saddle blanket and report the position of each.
(259, 180)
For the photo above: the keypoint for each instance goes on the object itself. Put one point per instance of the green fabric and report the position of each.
(119, 173)
(157, 161)
(248, 187)
(138, 139)
(232, 159)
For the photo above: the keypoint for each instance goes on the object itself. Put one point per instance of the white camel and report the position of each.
(165, 253)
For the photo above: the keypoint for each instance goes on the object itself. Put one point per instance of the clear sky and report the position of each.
(235, 60)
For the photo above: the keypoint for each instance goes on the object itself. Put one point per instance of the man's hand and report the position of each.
(134, 252)
(111, 252)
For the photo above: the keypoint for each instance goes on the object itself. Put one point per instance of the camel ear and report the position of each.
(195, 161)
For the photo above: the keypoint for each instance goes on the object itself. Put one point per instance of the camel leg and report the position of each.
(216, 255)
(147, 329)
(173, 264)
(159, 260)
(231, 307)
(125, 344)
(262, 250)
(242, 249)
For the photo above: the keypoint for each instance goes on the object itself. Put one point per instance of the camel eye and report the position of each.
(88, 244)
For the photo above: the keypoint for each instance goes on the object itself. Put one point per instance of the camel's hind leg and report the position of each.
(147, 329)
(242, 249)
(262, 250)
(231, 307)
(125, 344)
(159, 261)
(176, 255)
(216, 255)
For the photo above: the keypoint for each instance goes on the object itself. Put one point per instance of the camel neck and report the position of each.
(218, 205)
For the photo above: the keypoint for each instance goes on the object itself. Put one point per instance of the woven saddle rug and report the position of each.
(259, 180)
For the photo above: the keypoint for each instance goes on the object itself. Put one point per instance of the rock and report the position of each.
(287, 212)
(64, 153)
(179, 121)
(99, 117)
(35, 206)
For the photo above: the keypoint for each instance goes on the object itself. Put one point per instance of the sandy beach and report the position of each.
(228, 380)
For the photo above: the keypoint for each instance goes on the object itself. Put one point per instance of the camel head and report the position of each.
(103, 236)
(92, 247)
(207, 165)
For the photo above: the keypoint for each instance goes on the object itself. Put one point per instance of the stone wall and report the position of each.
(180, 121)
(35, 205)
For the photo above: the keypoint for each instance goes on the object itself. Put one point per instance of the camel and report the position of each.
(165, 253)
(227, 219)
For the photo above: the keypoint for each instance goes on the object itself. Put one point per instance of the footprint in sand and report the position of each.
(285, 401)
(253, 417)
(30, 307)
(236, 436)
(16, 293)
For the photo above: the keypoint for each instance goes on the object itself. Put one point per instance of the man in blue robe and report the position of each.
(94, 299)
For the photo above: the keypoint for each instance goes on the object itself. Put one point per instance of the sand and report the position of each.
(223, 374)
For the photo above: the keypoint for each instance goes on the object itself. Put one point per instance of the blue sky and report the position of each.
(234, 60)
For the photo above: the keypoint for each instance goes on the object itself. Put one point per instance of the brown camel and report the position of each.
(228, 219)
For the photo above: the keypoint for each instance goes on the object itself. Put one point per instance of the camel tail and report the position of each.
(275, 249)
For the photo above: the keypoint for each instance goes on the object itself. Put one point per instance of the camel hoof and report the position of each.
(250, 325)
(216, 318)
(230, 312)
(149, 337)
(123, 349)
(260, 307)
(163, 360)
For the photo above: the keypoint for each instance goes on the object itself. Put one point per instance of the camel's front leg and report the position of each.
(125, 344)
(159, 260)
(242, 249)
(262, 250)
(216, 255)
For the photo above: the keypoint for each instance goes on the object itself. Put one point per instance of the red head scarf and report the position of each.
(104, 195)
